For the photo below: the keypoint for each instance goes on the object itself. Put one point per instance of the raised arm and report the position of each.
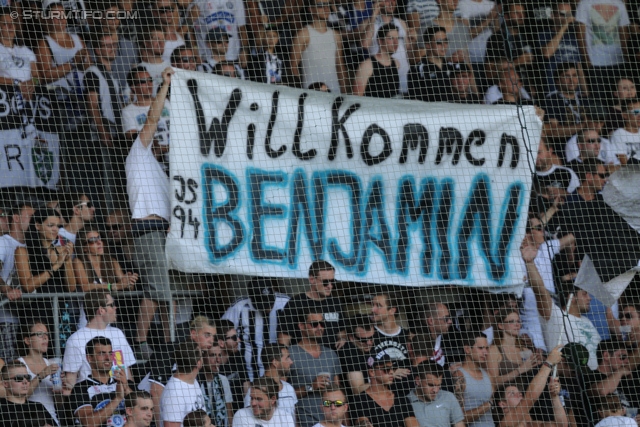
(539, 382)
(155, 111)
(543, 298)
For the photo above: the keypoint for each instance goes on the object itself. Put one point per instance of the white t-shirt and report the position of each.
(476, 12)
(287, 399)
(44, 392)
(607, 155)
(603, 20)
(135, 116)
(626, 143)
(155, 71)
(179, 398)
(227, 14)
(15, 62)
(579, 329)
(244, 418)
(574, 183)
(170, 46)
(530, 319)
(617, 421)
(147, 184)
(75, 357)
(8, 246)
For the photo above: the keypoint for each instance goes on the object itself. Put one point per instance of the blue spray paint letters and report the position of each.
(259, 210)
(419, 212)
(476, 220)
(424, 210)
(306, 207)
(216, 213)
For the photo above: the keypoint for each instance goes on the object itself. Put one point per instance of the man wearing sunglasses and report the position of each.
(315, 367)
(322, 281)
(334, 407)
(77, 209)
(353, 356)
(626, 140)
(14, 407)
(588, 143)
(614, 373)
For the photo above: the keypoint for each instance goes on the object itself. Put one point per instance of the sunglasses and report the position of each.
(328, 282)
(592, 141)
(441, 42)
(604, 175)
(635, 111)
(363, 340)
(232, 338)
(316, 324)
(91, 240)
(188, 58)
(21, 378)
(143, 81)
(55, 225)
(627, 316)
(89, 204)
(623, 356)
(337, 403)
(39, 334)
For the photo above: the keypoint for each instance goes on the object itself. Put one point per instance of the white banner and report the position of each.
(267, 179)
(25, 162)
(34, 160)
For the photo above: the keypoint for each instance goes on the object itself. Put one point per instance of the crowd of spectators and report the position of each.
(556, 356)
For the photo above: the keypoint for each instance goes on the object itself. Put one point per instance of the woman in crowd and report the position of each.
(96, 270)
(44, 267)
(378, 406)
(515, 406)
(509, 358)
(35, 343)
(378, 76)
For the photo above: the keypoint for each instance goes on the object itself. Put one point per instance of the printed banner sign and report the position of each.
(32, 161)
(266, 179)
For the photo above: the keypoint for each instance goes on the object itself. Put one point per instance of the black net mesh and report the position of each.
(285, 213)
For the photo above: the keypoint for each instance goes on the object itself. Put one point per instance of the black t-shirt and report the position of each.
(353, 360)
(363, 405)
(331, 309)
(16, 414)
(428, 83)
(397, 348)
(236, 372)
(97, 395)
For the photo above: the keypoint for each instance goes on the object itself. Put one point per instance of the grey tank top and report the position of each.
(476, 393)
